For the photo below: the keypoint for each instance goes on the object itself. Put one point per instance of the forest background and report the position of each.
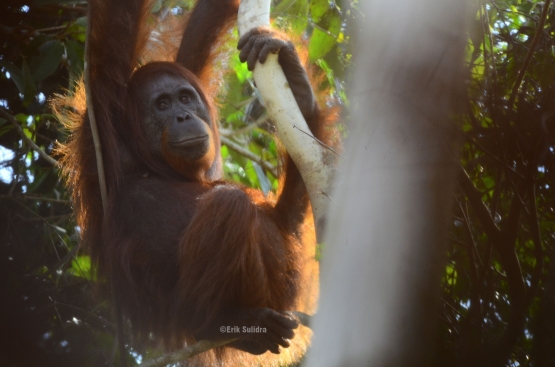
(498, 288)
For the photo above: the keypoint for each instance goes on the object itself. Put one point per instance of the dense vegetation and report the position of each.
(499, 285)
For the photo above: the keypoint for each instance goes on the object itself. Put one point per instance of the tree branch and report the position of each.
(12, 120)
(536, 238)
(92, 119)
(530, 53)
(205, 345)
(250, 155)
(310, 157)
(101, 175)
(504, 243)
(482, 211)
(185, 353)
(505, 247)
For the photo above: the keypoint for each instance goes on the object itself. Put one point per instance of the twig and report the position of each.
(101, 176)
(248, 154)
(250, 126)
(185, 353)
(204, 346)
(31, 143)
(482, 212)
(322, 144)
(50, 29)
(92, 119)
(539, 31)
(37, 198)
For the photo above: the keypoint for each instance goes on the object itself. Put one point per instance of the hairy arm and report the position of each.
(207, 22)
(118, 35)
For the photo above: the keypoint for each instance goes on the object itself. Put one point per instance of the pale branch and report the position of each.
(185, 353)
(12, 120)
(310, 157)
(203, 346)
(303, 318)
(250, 155)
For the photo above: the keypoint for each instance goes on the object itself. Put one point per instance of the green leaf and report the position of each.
(75, 55)
(81, 267)
(37, 182)
(318, 8)
(265, 184)
(251, 175)
(284, 6)
(319, 250)
(241, 69)
(15, 75)
(325, 35)
(78, 30)
(21, 117)
(29, 87)
(451, 274)
(51, 53)
(296, 12)
(4, 129)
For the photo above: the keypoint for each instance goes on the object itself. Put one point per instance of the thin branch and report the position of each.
(517, 288)
(322, 144)
(79, 9)
(120, 345)
(92, 119)
(259, 121)
(204, 346)
(504, 243)
(475, 198)
(304, 318)
(49, 218)
(498, 160)
(37, 198)
(185, 353)
(250, 155)
(51, 29)
(537, 239)
(539, 31)
(12, 120)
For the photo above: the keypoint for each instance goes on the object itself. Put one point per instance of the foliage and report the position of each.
(499, 287)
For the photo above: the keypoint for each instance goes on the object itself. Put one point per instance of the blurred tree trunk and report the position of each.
(385, 244)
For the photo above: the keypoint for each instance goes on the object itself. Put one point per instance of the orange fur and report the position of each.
(178, 249)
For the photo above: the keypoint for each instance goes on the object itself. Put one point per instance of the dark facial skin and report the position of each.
(177, 125)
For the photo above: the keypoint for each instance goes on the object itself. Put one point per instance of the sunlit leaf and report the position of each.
(318, 8)
(324, 36)
(81, 267)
